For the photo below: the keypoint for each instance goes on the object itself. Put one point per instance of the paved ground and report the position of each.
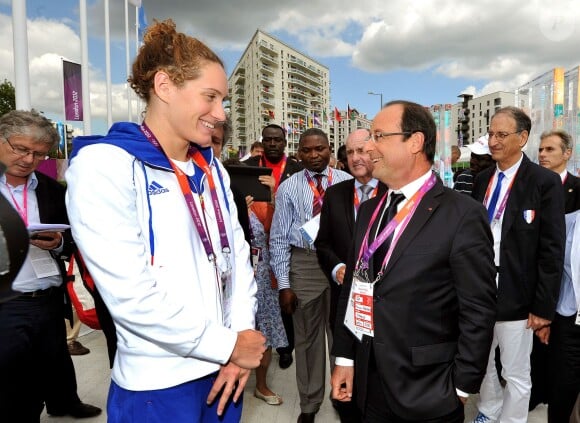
(93, 382)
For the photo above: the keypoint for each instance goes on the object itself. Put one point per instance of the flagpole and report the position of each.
(108, 65)
(85, 68)
(127, 59)
(20, 46)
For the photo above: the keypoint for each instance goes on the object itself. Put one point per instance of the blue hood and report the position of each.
(129, 137)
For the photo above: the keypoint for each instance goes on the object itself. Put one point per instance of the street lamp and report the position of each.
(381, 94)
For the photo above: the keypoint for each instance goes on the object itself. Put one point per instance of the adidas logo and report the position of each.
(155, 188)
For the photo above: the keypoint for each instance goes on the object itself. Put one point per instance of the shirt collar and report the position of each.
(511, 171)
(411, 188)
(31, 183)
(372, 183)
(563, 175)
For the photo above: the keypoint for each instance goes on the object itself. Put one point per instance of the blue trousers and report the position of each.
(185, 403)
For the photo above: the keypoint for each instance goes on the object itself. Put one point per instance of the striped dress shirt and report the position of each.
(293, 209)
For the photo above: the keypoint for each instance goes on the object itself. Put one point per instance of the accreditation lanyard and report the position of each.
(317, 197)
(503, 203)
(399, 221)
(356, 199)
(183, 181)
(22, 211)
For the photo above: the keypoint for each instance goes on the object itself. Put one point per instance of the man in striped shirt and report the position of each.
(303, 287)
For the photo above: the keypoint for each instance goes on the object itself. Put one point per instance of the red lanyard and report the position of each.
(317, 197)
(183, 181)
(22, 211)
(356, 199)
(503, 203)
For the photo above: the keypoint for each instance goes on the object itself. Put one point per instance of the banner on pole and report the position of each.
(73, 95)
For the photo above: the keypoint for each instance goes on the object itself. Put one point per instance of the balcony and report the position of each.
(266, 102)
(295, 100)
(266, 46)
(315, 79)
(268, 59)
(267, 69)
(266, 80)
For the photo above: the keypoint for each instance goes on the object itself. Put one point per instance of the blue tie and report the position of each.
(494, 197)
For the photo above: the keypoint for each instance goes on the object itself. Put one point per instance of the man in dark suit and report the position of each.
(556, 366)
(526, 214)
(336, 230)
(283, 166)
(34, 361)
(425, 326)
(554, 152)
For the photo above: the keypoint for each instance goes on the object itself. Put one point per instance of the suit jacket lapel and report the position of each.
(348, 203)
(516, 195)
(425, 209)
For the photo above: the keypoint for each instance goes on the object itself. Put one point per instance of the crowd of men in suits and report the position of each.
(423, 282)
(412, 284)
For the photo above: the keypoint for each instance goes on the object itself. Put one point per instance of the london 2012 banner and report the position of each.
(73, 97)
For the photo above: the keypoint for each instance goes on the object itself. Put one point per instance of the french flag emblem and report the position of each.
(529, 216)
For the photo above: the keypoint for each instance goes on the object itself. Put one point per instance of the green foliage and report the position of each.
(7, 97)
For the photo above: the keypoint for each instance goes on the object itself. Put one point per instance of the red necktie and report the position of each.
(317, 205)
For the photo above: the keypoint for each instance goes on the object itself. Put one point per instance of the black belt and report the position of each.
(38, 293)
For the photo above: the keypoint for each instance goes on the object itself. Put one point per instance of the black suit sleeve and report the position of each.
(471, 261)
(325, 251)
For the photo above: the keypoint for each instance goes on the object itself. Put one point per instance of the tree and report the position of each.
(7, 97)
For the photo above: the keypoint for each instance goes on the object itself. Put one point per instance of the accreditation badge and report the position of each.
(578, 317)
(359, 310)
(256, 254)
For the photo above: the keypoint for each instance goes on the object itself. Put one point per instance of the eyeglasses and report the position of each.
(378, 136)
(23, 152)
(500, 136)
(274, 139)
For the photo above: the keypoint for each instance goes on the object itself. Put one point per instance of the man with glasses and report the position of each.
(339, 210)
(283, 166)
(35, 365)
(526, 213)
(419, 290)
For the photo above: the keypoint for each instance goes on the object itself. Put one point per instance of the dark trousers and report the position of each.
(34, 362)
(539, 373)
(289, 327)
(564, 359)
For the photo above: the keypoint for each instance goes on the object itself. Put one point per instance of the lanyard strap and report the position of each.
(317, 197)
(185, 187)
(400, 221)
(503, 203)
(22, 211)
(357, 200)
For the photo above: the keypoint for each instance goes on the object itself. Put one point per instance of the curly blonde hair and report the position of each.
(176, 53)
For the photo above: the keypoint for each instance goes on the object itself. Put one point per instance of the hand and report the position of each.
(341, 383)
(226, 381)
(46, 240)
(249, 200)
(536, 322)
(288, 300)
(543, 334)
(340, 274)
(249, 349)
(268, 180)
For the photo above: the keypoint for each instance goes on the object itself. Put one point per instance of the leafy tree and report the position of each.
(7, 97)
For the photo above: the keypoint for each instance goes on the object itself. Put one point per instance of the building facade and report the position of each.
(274, 83)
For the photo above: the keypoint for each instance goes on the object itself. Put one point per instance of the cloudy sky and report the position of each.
(429, 51)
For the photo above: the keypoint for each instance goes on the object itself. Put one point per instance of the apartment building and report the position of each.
(275, 83)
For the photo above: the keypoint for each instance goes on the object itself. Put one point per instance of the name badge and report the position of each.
(578, 317)
(359, 310)
(256, 257)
